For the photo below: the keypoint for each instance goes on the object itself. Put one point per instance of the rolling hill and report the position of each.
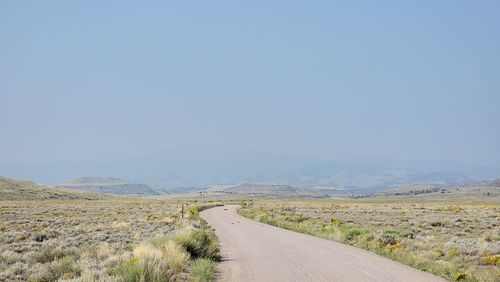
(15, 189)
(186, 170)
(107, 185)
(483, 190)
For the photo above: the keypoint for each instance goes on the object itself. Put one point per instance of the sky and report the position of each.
(111, 80)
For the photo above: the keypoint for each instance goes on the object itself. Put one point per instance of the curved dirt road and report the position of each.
(254, 251)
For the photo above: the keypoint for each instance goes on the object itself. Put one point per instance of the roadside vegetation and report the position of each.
(459, 241)
(115, 239)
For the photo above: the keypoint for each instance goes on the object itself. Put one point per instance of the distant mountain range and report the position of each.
(270, 190)
(15, 189)
(191, 170)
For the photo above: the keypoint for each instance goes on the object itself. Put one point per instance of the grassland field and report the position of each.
(457, 240)
(83, 238)
(115, 239)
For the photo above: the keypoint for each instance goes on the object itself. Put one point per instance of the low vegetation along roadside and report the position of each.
(459, 242)
(122, 239)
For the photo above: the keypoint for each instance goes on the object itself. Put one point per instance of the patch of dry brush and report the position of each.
(102, 240)
(459, 241)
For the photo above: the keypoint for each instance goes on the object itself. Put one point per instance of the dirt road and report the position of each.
(253, 251)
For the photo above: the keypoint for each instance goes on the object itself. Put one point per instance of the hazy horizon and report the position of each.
(94, 81)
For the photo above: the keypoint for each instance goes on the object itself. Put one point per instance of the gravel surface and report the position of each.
(254, 251)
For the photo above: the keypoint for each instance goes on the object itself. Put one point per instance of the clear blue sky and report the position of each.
(109, 80)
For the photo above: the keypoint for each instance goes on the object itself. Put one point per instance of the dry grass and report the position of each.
(82, 240)
(17, 190)
(458, 241)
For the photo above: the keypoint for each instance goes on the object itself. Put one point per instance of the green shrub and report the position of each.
(492, 259)
(459, 276)
(199, 243)
(130, 270)
(387, 239)
(300, 218)
(391, 232)
(336, 221)
(62, 268)
(193, 212)
(203, 270)
(44, 255)
(155, 263)
(263, 217)
(164, 258)
(352, 232)
(408, 234)
(437, 224)
(452, 252)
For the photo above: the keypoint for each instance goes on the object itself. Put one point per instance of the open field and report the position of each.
(484, 191)
(115, 239)
(457, 240)
(53, 234)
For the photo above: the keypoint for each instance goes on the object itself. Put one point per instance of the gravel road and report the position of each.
(254, 251)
